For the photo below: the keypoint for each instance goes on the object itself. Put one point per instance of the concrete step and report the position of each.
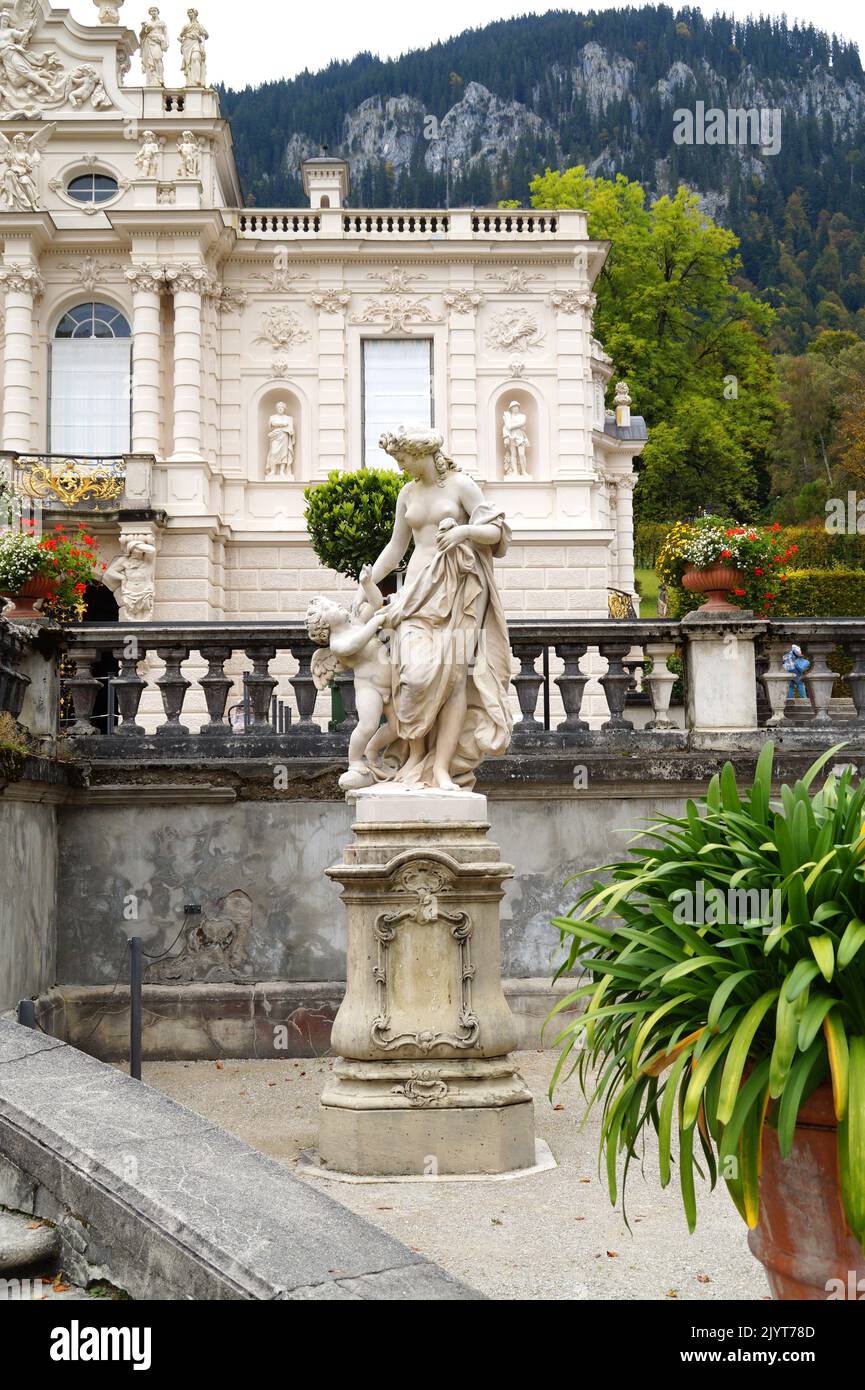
(25, 1242)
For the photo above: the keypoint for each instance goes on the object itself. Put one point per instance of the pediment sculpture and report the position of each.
(32, 83)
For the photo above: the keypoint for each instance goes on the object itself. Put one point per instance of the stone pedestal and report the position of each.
(424, 1084)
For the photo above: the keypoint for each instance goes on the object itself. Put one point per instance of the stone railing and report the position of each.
(455, 224)
(80, 482)
(554, 662)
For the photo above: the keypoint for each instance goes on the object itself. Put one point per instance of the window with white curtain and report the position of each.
(89, 382)
(397, 390)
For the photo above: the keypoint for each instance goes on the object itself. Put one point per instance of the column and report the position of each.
(23, 284)
(147, 284)
(625, 529)
(188, 283)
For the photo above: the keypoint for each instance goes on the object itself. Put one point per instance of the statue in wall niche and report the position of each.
(154, 46)
(516, 440)
(448, 651)
(147, 158)
(193, 58)
(280, 443)
(19, 160)
(189, 151)
(352, 644)
(132, 577)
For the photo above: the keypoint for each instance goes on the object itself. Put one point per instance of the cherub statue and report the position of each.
(193, 58)
(352, 644)
(154, 45)
(189, 151)
(19, 159)
(147, 158)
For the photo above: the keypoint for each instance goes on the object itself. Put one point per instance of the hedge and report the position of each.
(821, 593)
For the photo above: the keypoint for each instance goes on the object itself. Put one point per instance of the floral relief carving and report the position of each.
(22, 279)
(514, 330)
(514, 280)
(90, 271)
(423, 1087)
(282, 327)
(570, 301)
(281, 278)
(426, 882)
(397, 313)
(331, 301)
(396, 281)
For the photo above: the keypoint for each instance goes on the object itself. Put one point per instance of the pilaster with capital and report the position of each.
(573, 308)
(23, 285)
(187, 282)
(625, 529)
(147, 284)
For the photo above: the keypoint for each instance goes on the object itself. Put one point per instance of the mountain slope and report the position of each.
(471, 120)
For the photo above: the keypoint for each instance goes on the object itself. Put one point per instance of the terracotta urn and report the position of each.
(24, 602)
(802, 1237)
(715, 581)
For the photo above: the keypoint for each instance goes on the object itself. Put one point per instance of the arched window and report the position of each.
(92, 188)
(89, 383)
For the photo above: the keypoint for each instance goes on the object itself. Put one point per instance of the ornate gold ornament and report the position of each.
(69, 480)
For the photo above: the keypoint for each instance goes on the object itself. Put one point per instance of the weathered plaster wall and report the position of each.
(257, 870)
(28, 863)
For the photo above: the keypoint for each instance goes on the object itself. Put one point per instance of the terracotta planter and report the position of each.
(26, 598)
(715, 581)
(802, 1238)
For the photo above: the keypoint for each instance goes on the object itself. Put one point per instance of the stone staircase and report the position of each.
(29, 1261)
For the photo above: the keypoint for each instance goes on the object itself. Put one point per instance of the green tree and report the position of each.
(691, 343)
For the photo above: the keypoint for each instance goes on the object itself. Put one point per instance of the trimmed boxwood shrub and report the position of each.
(350, 517)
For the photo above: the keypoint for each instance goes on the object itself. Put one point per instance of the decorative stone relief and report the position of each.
(282, 327)
(570, 301)
(514, 280)
(216, 949)
(19, 159)
(423, 1087)
(147, 158)
(228, 300)
(331, 301)
(31, 83)
(282, 277)
(90, 271)
(397, 313)
(166, 194)
(109, 11)
(153, 40)
(514, 330)
(463, 301)
(516, 367)
(188, 277)
(147, 278)
(396, 281)
(426, 881)
(193, 58)
(280, 366)
(189, 153)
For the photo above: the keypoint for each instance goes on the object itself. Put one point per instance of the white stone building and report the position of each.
(151, 319)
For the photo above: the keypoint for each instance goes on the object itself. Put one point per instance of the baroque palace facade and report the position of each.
(215, 360)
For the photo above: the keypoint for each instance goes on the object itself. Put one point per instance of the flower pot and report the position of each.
(715, 581)
(802, 1238)
(27, 597)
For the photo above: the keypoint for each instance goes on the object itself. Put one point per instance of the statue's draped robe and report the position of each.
(449, 623)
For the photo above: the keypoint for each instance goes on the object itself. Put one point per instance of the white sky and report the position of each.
(259, 40)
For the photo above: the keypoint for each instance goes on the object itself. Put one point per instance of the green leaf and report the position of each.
(854, 935)
(824, 954)
(738, 1053)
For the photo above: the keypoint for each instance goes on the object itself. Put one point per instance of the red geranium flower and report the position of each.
(758, 571)
(740, 593)
(725, 554)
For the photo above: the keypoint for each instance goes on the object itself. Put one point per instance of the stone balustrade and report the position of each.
(734, 661)
(456, 224)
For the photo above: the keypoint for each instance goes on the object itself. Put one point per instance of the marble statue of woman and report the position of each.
(154, 45)
(280, 447)
(192, 54)
(449, 650)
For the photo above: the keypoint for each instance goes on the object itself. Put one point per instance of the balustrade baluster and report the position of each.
(856, 679)
(173, 686)
(345, 684)
(819, 680)
(616, 683)
(660, 681)
(129, 686)
(260, 685)
(216, 685)
(304, 687)
(528, 682)
(83, 687)
(572, 683)
(775, 681)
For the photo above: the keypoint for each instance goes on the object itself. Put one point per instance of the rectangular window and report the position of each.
(397, 390)
(90, 396)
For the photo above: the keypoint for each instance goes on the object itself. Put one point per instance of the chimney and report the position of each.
(325, 180)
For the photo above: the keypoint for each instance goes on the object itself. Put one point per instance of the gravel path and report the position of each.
(550, 1236)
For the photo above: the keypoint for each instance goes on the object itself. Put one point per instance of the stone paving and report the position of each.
(549, 1236)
